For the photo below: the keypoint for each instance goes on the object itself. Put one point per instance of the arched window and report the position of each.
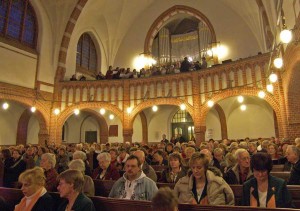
(86, 58)
(18, 21)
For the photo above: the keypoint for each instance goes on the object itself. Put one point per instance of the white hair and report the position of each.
(104, 155)
(51, 158)
(79, 154)
(77, 165)
(238, 152)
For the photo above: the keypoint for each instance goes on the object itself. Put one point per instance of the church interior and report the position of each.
(249, 86)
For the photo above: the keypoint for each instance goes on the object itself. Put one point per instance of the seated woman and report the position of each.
(202, 185)
(175, 171)
(48, 162)
(35, 195)
(105, 170)
(265, 190)
(70, 187)
(88, 187)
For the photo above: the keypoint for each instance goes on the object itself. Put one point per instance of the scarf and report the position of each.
(22, 205)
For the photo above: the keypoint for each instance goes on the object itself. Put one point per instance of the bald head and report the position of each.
(141, 155)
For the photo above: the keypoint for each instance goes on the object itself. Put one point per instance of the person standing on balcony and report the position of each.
(185, 65)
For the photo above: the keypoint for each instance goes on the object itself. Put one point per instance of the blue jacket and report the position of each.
(145, 188)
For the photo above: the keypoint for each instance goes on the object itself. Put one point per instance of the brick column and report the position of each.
(127, 126)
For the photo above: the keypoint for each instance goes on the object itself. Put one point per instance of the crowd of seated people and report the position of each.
(125, 73)
(202, 174)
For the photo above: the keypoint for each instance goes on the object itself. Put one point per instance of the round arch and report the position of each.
(159, 101)
(40, 114)
(246, 92)
(165, 16)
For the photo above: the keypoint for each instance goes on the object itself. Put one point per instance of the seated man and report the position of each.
(241, 171)
(158, 159)
(292, 154)
(134, 184)
(148, 170)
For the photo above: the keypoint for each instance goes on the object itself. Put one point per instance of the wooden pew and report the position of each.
(103, 187)
(283, 175)
(13, 196)
(278, 168)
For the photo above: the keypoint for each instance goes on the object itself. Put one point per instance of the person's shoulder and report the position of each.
(276, 180)
(249, 182)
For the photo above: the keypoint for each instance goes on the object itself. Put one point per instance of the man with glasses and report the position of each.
(241, 171)
(134, 184)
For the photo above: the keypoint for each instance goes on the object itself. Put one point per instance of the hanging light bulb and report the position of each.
(56, 111)
(261, 94)
(210, 103)
(286, 36)
(154, 108)
(102, 111)
(33, 109)
(111, 117)
(5, 106)
(278, 62)
(182, 107)
(273, 77)
(240, 99)
(129, 110)
(243, 107)
(76, 111)
(270, 88)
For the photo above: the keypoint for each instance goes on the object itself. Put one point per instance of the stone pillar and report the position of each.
(199, 134)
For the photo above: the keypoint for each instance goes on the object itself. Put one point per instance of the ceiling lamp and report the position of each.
(102, 111)
(273, 78)
(76, 111)
(154, 108)
(33, 109)
(5, 106)
(270, 88)
(240, 99)
(111, 117)
(243, 107)
(129, 110)
(286, 36)
(56, 111)
(278, 62)
(182, 107)
(261, 94)
(210, 103)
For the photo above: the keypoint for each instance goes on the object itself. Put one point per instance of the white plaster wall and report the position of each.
(137, 130)
(72, 130)
(9, 123)
(115, 121)
(90, 124)
(33, 130)
(257, 121)
(24, 69)
(213, 126)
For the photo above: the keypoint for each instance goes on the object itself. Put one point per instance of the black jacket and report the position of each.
(44, 203)
(82, 203)
(295, 174)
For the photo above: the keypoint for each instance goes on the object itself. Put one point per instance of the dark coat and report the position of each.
(44, 203)
(295, 174)
(12, 172)
(232, 176)
(276, 187)
(167, 178)
(82, 203)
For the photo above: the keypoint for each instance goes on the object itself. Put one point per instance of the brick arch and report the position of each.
(223, 122)
(246, 92)
(103, 136)
(83, 106)
(61, 68)
(41, 113)
(159, 101)
(144, 127)
(165, 16)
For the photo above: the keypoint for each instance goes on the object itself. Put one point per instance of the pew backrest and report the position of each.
(282, 174)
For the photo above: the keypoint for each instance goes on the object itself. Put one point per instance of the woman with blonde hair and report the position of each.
(203, 185)
(35, 197)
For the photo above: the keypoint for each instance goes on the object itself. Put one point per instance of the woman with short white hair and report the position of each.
(82, 156)
(88, 186)
(105, 170)
(48, 161)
